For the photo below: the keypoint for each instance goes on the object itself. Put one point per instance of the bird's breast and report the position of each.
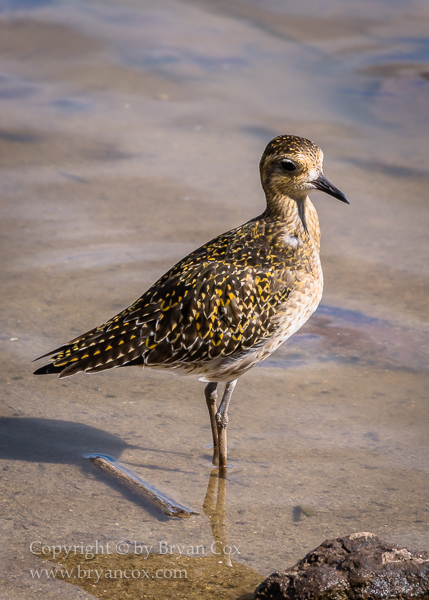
(305, 294)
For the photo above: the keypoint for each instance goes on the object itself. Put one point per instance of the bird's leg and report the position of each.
(222, 422)
(211, 398)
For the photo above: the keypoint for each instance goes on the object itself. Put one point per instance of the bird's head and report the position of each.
(292, 166)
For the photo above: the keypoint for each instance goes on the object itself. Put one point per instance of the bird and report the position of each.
(229, 304)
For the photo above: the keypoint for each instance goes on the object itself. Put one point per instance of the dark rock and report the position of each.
(356, 567)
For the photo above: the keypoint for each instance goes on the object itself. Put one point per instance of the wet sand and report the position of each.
(131, 134)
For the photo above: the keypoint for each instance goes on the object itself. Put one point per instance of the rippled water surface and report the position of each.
(130, 133)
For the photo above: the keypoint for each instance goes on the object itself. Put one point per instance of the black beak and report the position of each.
(321, 183)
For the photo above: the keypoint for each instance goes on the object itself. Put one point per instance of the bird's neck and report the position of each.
(299, 217)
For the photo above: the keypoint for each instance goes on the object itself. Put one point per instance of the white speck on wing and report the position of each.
(291, 240)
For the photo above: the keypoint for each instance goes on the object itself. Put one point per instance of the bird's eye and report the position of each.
(288, 165)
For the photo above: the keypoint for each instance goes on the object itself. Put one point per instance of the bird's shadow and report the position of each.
(54, 441)
(65, 442)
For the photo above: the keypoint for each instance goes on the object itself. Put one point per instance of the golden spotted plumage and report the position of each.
(230, 303)
(218, 301)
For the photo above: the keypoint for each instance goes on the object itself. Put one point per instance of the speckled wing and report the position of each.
(217, 302)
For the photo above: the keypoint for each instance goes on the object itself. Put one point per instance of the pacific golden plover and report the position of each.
(229, 304)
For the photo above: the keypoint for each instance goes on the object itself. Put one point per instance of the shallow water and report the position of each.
(129, 134)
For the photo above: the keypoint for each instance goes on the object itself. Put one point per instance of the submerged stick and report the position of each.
(148, 492)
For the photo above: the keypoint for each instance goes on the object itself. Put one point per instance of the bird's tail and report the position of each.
(97, 350)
